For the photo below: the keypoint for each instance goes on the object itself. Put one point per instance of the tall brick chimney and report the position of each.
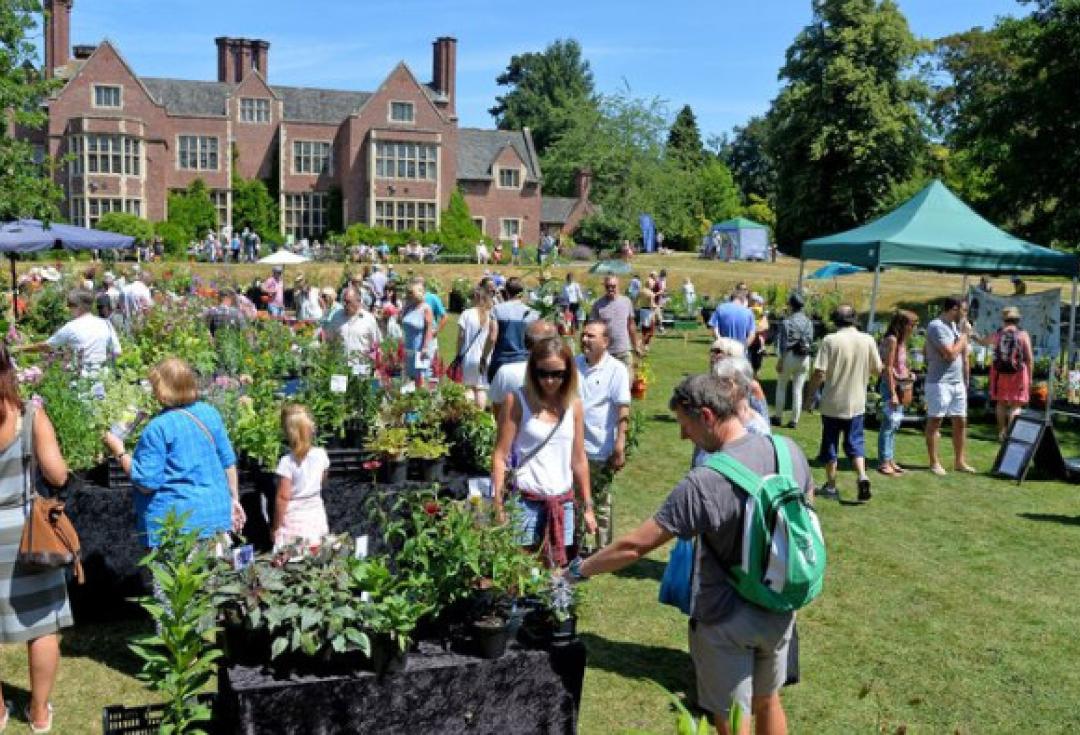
(444, 68)
(57, 34)
(238, 56)
(582, 183)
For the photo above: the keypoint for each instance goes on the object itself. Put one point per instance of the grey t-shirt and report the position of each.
(942, 334)
(615, 313)
(704, 502)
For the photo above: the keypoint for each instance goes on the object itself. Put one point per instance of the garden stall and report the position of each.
(749, 239)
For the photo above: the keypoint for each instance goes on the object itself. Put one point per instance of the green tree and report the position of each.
(845, 128)
(1010, 115)
(684, 140)
(254, 207)
(27, 188)
(758, 209)
(127, 224)
(545, 88)
(746, 154)
(717, 195)
(457, 231)
(192, 212)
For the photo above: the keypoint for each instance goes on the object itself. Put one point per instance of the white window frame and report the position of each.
(393, 159)
(328, 159)
(123, 153)
(200, 140)
(94, 208)
(508, 169)
(503, 234)
(401, 220)
(294, 206)
(412, 112)
(94, 96)
(256, 108)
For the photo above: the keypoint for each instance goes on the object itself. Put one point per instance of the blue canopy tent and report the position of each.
(749, 239)
(31, 236)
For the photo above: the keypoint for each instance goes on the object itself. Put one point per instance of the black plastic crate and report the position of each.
(117, 719)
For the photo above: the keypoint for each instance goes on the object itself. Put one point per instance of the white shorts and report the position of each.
(946, 399)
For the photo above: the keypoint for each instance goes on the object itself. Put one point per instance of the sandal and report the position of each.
(897, 469)
(36, 728)
(886, 470)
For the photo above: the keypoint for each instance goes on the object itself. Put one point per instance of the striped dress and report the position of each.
(31, 604)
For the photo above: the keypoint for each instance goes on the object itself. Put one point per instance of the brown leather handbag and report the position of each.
(49, 540)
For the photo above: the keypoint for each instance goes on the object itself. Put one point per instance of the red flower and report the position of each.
(431, 508)
(371, 465)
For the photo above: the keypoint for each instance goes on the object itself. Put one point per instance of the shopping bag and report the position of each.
(675, 586)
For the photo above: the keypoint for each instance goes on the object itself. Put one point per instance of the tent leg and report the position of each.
(802, 269)
(873, 300)
(964, 287)
(14, 290)
(1072, 327)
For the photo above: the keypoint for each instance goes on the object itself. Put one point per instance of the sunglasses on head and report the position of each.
(551, 374)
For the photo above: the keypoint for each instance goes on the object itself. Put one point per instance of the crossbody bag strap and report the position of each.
(536, 450)
(29, 466)
(472, 341)
(200, 424)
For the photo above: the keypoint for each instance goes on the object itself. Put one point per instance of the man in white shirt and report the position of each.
(511, 376)
(137, 298)
(604, 386)
(355, 327)
(91, 338)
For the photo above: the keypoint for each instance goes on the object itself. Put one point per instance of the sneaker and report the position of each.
(775, 421)
(790, 425)
(829, 492)
(864, 489)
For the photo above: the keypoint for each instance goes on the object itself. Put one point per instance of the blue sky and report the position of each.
(720, 56)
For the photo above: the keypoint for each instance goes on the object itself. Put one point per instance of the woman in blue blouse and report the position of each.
(417, 323)
(183, 460)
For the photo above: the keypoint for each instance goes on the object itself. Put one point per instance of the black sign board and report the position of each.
(1030, 443)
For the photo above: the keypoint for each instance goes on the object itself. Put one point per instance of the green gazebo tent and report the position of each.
(935, 230)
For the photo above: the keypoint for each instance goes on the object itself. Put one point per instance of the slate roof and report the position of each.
(556, 209)
(302, 104)
(477, 150)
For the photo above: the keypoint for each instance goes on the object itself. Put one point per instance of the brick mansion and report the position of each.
(393, 155)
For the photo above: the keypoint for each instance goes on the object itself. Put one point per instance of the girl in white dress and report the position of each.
(299, 514)
(477, 332)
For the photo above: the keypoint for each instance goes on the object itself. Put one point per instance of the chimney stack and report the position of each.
(57, 35)
(238, 56)
(582, 183)
(444, 69)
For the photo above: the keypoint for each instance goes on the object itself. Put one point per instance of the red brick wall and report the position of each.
(487, 200)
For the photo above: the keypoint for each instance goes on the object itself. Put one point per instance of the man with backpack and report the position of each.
(743, 597)
(794, 342)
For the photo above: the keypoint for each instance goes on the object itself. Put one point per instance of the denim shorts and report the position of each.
(832, 428)
(531, 519)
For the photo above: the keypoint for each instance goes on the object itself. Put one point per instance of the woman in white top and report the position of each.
(477, 333)
(299, 514)
(543, 427)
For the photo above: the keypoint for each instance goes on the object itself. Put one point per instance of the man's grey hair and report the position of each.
(81, 299)
(737, 369)
(537, 330)
(722, 396)
(728, 347)
(598, 323)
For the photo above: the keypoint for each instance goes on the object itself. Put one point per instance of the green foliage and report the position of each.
(47, 313)
(684, 140)
(254, 423)
(179, 660)
(68, 403)
(746, 154)
(457, 232)
(845, 127)
(717, 197)
(127, 224)
(253, 207)
(192, 212)
(546, 88)
(174, 235)
(27, 188)
(758, 209)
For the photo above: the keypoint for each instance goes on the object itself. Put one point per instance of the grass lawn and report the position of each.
(937, 614)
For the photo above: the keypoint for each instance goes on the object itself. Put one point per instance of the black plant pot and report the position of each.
(245, 647)
(433, 470)
(491, 636)
(387, 658)
(393, 471)
(564, 631)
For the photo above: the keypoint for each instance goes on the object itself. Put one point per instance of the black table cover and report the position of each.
(525, 691)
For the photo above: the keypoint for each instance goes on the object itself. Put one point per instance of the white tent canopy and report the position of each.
(284, 257)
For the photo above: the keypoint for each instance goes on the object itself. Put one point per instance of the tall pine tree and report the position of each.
(684, 140)
(844, 131)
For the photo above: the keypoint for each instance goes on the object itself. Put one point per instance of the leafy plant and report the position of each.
(68, 403)
(392, 442)
(179, 659)
(427, 449)
(474, 440)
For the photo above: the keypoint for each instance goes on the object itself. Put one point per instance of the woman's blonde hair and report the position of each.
(299, 428)
(543, 349)
(173, 382)
(482, 299)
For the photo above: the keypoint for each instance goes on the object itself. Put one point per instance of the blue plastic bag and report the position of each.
(675, 586)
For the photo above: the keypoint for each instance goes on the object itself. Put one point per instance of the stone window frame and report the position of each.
(312, 157)
(95, 88)
(198, 145)
(410, 221)
(401, 121)
(506, 236)
(295, 204)
(255, 110)
(517, 177)
(388, 153)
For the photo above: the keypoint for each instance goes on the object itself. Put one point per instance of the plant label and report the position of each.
(423, 360)
(242, 556)
(361, 547)
(362, 369)
(480, 486)
(408, 388)
(339, 383)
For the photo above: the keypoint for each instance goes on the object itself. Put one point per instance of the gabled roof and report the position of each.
(302, 104)
(478, 149)
(556, 209)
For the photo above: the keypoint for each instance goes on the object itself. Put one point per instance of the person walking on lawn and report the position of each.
(947, 341)
(843, 366)
(794, 343)
(739, 650)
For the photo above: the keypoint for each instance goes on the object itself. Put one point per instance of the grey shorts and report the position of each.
(744, 656)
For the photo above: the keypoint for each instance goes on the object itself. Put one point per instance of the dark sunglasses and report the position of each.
(551, 374)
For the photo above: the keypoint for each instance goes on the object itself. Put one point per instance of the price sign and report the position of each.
(339, 383)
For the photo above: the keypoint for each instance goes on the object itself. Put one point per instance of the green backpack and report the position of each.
(783, 550)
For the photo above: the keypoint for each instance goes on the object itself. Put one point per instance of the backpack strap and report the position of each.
(735, 471)
(783, 456)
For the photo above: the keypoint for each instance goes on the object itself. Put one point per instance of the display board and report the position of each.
(1040, 316)
(1030, 445)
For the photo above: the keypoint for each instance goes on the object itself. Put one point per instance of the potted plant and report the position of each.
(429, 458)
(392, 444)
(395, 605)
(555, 621)
(643, 375)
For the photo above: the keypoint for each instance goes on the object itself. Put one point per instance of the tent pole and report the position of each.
(964, 287)
(873, 300)
(802, 267)
(1072, 326)
(15, 290)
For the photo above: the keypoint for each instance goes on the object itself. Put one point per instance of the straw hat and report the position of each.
(1010, 313)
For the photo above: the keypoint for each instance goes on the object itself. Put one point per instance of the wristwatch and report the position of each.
(574, 570)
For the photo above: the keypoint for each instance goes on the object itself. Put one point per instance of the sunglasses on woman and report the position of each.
(551, 374)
